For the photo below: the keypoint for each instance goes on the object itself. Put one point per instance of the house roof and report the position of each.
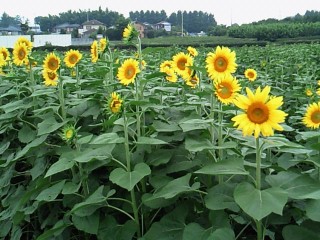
(10, 29)
(67, 25)
(164, 23)
(93, 22)
(89, 31)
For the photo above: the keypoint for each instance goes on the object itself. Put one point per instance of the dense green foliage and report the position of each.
(170, 166)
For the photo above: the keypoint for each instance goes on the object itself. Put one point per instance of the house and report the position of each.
(140, 27)
(163, 25)
(90, 27)
(65, 28)
(10, 30)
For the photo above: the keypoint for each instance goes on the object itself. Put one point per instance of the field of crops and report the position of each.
(159, 143)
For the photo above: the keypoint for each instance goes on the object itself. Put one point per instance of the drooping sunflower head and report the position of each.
(309, 92)
(312, 116)
(115, 103)
(68, 133)
(250, 74)
(165, 64)
(192, 51)
(181, 62)
(50, 78)
(20, 54)
(25, 41)
(221, 63)
(103, 43)
(51, 63)
(193, 81)
(129, 33)
(128, 71)
(2, 61)
(5, 52)
(227, 89)
(72, 57)
(170, 74)
(261, 113)
(94, 51)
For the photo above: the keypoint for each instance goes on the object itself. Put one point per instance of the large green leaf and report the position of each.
(128, 180)
(221, 197)
(26, 134)
(107, 138)
(227, 166)
(175, 187)
(259, 203)
(99, 153)
(197, 144)
(313, 209)
(192, 231)
(222, 234)
(55, 231)
(51, 193)
(292, 232)
(166, 127)
(150, 141)
(66, 161)
(49, 125)
(194, 124)
(88, 224)
(298, 186)
(170, 227)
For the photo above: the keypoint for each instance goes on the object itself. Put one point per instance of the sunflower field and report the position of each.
(160, 143)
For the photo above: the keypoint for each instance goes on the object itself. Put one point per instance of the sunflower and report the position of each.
(5, 52)
(318, 82)
(128, 71)
(193, 81)
(318, 91)
(221, 63)
(170, 75)
(260, 113)
(308, 92)
(25, 41)
(72, 57)
(180, 62)
(50, 78)
(312, 116)
(250, 74)
(165, 64)
(68, 133)
(51, 63)
(20, 54)
(115, 103)
(192, 51)
(94, 51)
(227, 89)
(102, 44)
(2, 61)
(129, 33)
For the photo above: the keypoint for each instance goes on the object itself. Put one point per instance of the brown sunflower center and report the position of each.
(315, 117)
(4, 55)
(258, 112)
(52, 76)
(73, 59)
(53, 64)
(22, 54)
(225, 90)
(220, 64)
(115, 103)
(250, 75)
(181, 64)
(130, 72)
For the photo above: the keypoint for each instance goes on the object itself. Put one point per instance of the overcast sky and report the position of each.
(224, 11)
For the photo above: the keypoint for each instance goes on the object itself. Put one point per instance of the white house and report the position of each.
(163, 25)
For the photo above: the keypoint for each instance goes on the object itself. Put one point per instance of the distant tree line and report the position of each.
(193, 22)
(306, 25)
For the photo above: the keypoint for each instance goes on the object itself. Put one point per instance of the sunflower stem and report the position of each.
(128, 159)
(258, 185)
(61, 98)
(220, 139)
(78, 81)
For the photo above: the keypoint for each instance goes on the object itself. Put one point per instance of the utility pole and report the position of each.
(181, 23)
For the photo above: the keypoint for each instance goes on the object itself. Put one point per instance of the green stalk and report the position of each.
(78, 81)
(128, 159)
(220, 139)
(258, 185)
(61, 98)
